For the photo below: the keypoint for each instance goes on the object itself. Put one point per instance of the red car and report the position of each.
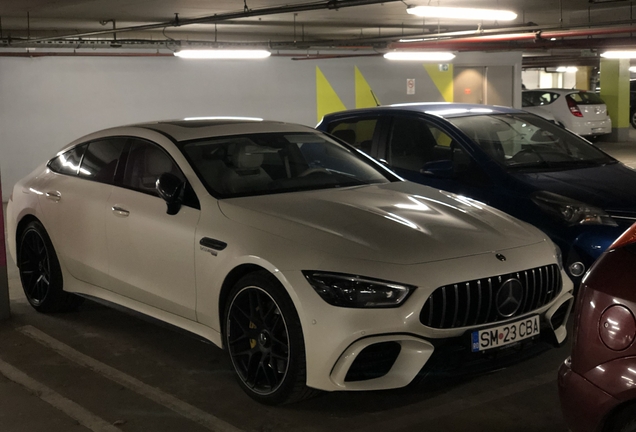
(597, 383)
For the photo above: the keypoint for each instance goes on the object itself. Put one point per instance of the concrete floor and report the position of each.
(102, 369)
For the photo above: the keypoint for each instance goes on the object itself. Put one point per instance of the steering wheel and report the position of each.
(314, 170)
(526, 155)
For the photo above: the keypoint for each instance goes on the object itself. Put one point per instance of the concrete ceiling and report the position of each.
(575, 30)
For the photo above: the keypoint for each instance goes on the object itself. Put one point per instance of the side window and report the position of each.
(358, 133)
(414, 142)
(538, 98)
(548, 97)
(146, 162)
(68, 162)
(527, 99)
(101, 158)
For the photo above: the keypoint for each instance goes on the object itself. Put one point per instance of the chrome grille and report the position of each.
(474, 302)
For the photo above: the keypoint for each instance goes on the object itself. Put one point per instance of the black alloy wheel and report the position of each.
(40, 272)
(264, 339)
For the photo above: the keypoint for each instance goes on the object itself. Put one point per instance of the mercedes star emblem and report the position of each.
(509, 297)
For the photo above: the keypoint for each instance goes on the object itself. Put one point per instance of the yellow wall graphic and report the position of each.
(443, 80)
(364, 94)
(327, 101)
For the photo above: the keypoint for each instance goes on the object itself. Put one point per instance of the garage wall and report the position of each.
(46, 102)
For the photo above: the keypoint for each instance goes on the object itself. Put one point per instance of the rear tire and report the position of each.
(264, 338)
(40, 272)
(632, 119)
(626, 420)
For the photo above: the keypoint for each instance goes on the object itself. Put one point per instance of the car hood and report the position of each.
(611, 187)
(400, 222)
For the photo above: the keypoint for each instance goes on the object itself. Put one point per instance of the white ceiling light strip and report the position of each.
(462, 13)
(222, 54)
(419, 55)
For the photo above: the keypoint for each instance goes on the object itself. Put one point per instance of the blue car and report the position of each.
(510, 159)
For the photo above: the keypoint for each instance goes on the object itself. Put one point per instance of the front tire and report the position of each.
(264, 338)
(40, 272)
(626, 420)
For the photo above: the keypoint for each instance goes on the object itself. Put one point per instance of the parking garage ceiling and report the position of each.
(547, 31)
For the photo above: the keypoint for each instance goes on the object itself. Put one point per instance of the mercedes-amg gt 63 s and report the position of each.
(314, 266)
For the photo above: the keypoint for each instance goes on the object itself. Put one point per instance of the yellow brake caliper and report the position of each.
(252, 341)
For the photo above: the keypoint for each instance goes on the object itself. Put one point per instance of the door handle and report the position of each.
(54, 196)
(119, 211)
(212, 243)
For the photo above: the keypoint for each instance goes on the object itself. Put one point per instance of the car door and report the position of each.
(75, 202)
(424, 152)
(151, 253)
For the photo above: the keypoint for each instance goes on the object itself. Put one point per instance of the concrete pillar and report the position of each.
(4, 281)
(583, 78)
(615, 93)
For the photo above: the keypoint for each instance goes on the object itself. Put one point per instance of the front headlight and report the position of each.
(351, 291)
(571, 211)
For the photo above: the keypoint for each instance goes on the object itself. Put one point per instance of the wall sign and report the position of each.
(410, 86)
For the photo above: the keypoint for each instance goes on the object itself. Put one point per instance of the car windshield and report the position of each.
(265, 163)
(528, 142)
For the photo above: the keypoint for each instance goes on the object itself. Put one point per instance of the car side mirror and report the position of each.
(439, 168)
(170, 188)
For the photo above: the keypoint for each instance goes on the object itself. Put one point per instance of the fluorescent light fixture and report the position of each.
(419, 55)
(619, 54)
(632, 69)
(411, 40)
(223, 118)
(462, 13)
(570, 69)
(453, 111)
(222, 54)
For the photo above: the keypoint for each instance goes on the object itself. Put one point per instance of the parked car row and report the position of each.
(318, 261)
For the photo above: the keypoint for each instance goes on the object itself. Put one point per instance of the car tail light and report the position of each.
(617, 328)
(628, 237)
(574, 108)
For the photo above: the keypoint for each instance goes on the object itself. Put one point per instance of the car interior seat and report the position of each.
(347, 135)
(209, 160)
(412, 147)
(245, 173)
(148, 163)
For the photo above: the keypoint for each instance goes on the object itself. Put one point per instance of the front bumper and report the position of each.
(337, 338)
(583, 404)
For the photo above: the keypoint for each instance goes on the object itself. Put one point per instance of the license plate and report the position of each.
(501, 336)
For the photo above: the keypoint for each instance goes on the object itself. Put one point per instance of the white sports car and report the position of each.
(314, 266)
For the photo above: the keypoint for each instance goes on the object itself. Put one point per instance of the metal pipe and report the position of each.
(532, 36)
(317, 5)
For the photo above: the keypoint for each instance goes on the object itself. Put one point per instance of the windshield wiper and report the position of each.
(523, 165)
